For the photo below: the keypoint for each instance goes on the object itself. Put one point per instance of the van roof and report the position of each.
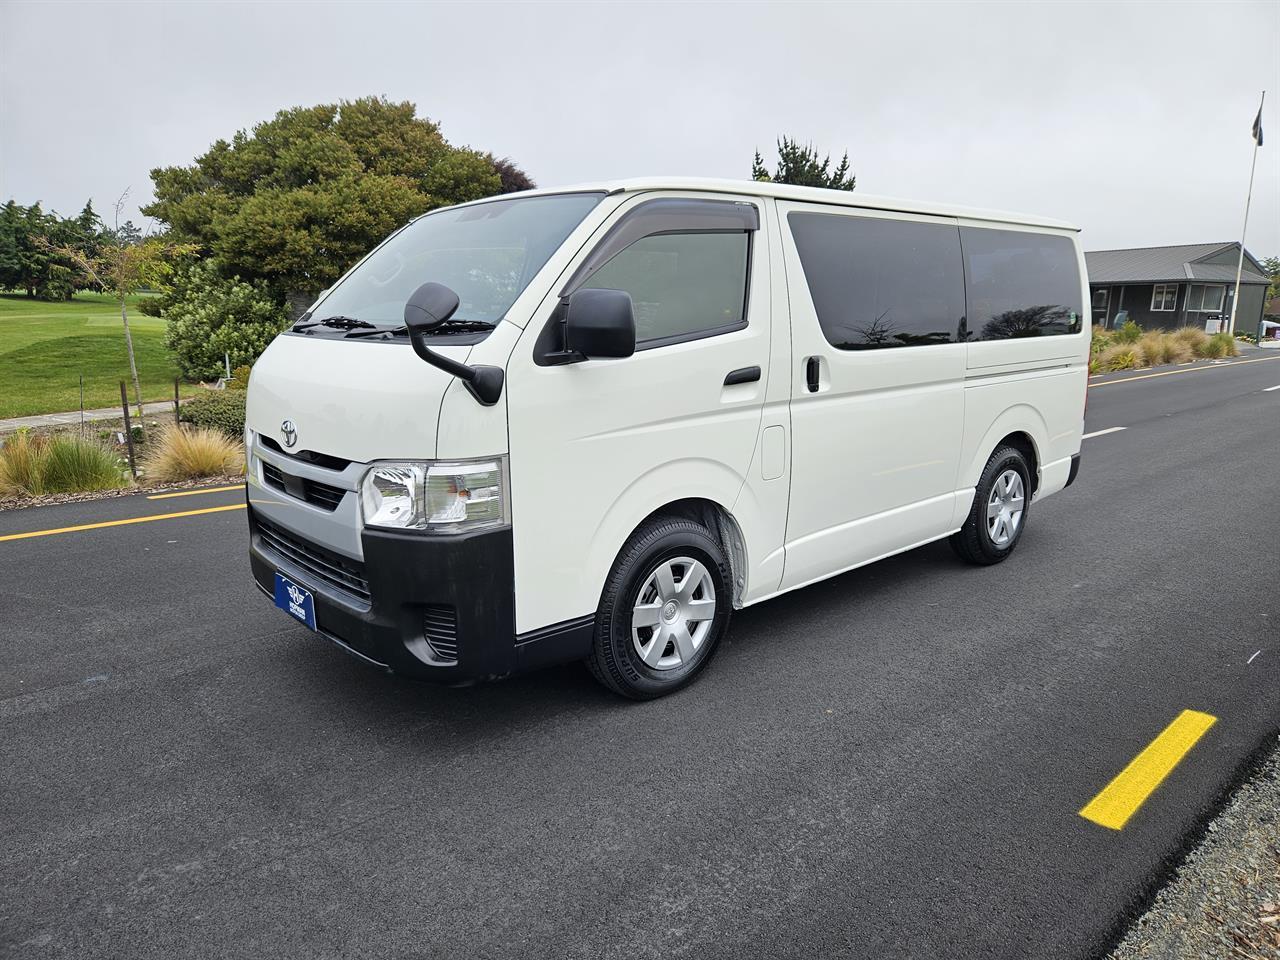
(783, 191)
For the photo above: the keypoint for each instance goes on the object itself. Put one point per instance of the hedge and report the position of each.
(221, 409)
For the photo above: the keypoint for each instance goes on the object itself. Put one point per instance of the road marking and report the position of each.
(1251, 659)
(119, 523)
(1171, 373)
(1269, 389)
(1121, 798)
(194, 493)
(1103, 433)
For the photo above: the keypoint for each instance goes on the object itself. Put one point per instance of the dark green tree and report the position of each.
(1271, 267)
(798, 164)
(298, 199)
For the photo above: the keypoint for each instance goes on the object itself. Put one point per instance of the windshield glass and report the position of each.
(486, 253)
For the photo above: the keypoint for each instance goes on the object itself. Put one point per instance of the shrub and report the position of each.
(221, 409)
(31, 465)
(72, 465)
(1194, 338)
(1129, 333)
(188, 454)
(1101, 340)
(1119, 356)
(208, 317)
(20, 465)
(240, 377)
(1220, 345)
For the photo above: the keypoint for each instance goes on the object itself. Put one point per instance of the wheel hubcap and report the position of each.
(1004, 507)
(673, 613)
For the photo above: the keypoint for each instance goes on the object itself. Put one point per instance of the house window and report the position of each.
(1207, 298)
(1164, 297)
(1100, 300)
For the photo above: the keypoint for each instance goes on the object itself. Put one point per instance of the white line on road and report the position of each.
(1269, 389)
(1099, 433)
(1251, 659)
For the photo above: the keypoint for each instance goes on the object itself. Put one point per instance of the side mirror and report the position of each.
(600, 323)
(429, 306)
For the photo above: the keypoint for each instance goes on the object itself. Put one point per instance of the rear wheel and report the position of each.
(663, 611)
(999, 512)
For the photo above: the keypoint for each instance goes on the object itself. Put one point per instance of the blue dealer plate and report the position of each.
(296, 601)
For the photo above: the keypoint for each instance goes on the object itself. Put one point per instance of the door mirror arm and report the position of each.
(430, 306)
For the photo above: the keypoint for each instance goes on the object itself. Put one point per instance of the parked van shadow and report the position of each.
(785, 629)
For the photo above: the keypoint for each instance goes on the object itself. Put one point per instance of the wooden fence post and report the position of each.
(177, 420)
(128, 429)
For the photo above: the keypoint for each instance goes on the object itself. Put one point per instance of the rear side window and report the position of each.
(881, 283)
(1020, 284)
(683, 285)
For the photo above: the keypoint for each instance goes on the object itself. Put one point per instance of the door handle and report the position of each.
(742, 375)
(812, 370)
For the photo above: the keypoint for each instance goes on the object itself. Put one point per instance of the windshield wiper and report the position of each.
(338, 322)
(400, 331)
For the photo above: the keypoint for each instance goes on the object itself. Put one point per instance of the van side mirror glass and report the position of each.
(600, 323)
(429, 306)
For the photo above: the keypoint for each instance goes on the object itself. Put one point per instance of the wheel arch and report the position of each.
(1021, 427)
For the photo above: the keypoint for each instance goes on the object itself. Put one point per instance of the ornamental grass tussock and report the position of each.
(188, 453)
(32, 465)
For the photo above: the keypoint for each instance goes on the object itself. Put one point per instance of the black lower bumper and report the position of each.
(436, 607)
(1075, 469)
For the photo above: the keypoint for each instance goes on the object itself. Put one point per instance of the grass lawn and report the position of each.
(45, 347)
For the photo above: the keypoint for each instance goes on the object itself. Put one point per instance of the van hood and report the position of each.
(358, 400)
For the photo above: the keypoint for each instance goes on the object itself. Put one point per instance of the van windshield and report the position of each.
(486, 253)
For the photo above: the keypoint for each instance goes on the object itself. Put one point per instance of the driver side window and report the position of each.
(683, 285)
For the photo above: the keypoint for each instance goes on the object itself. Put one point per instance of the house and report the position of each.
(1171, 287)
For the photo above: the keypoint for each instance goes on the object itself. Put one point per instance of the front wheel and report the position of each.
(663, 611)
(999, 512)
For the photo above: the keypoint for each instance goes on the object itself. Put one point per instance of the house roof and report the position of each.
(1164, 264)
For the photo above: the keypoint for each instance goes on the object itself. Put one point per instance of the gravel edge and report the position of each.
(22, 503)
(1224, 901)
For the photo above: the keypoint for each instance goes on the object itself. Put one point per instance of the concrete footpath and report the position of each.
(73, 417)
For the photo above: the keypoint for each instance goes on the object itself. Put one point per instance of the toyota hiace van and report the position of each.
(590, 423)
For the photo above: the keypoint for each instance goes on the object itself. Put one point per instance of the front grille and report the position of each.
(312, 491)
(334, 569)
(306, 456)
(441, 628)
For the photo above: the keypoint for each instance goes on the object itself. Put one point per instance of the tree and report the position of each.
(298, 199)
(512, 177)
(30, 245)
(1270, 266)
(798, 165)
(123, 264)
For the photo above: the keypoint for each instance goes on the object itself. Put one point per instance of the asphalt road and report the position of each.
(889, 764)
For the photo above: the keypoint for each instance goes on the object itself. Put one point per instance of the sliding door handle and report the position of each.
(742, 375)
(812, 374)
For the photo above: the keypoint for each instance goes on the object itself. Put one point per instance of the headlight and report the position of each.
(438, 496)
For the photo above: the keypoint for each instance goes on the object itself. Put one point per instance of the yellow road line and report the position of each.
(1121, 798)
(119, 523)
(194, 493)
(1170, 373)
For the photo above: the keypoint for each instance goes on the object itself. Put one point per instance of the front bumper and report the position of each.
(435, 607)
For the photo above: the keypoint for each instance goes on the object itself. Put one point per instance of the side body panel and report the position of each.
(876, 446)
(1035, 386)
(597, 446)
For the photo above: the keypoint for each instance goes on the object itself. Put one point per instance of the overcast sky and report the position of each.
(1132, 121)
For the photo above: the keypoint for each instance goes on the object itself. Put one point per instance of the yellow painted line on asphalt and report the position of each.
(118, 523)
(1121, 798)
(194, 493)
(1171, 373)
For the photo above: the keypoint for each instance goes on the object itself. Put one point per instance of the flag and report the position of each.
(1257, 127)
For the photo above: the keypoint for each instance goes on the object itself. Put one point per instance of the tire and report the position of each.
(977, 542)
(644, 661)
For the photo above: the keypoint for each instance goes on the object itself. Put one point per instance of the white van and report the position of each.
(588, 424)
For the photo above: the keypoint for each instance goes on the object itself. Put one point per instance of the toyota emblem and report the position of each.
(289, 431)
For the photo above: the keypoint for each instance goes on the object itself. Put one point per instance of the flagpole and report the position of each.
(1235, 296)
